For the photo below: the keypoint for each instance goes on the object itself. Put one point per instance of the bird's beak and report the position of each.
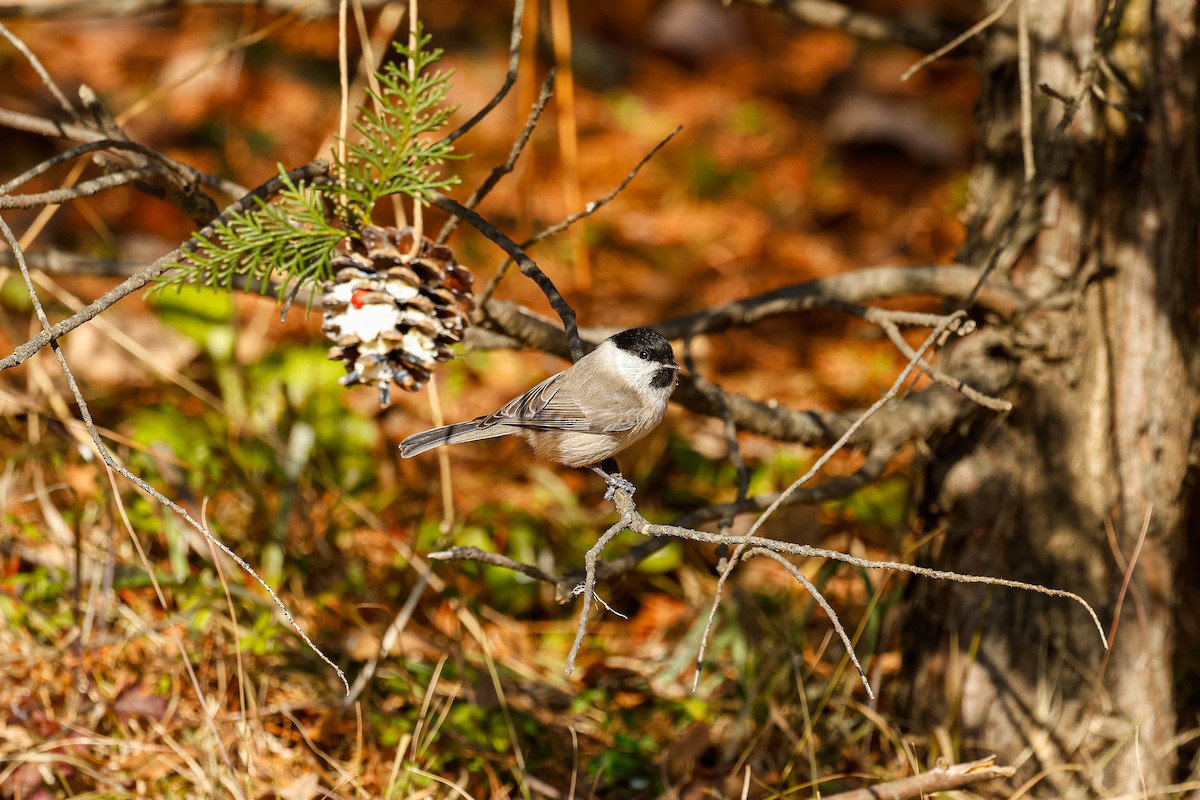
(672, 365)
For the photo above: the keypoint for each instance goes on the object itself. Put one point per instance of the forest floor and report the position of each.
(137, 661)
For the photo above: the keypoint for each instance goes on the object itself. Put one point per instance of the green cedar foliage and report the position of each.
(293, 236)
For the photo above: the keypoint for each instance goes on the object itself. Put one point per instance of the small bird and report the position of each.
(584, 415)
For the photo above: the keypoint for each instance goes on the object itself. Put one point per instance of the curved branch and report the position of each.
(527, 265)
(92, 147)
(954, 282)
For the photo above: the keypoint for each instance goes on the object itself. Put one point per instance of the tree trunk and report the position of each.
(1090, 471)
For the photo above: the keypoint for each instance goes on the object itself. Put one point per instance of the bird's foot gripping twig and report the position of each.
(615, 483)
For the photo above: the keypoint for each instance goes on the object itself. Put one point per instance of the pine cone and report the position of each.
(394, 313)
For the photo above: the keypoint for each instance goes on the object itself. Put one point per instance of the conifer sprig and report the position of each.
(393, 156)
(292, 237)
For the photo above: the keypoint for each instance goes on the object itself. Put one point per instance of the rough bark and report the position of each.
(1096, 451)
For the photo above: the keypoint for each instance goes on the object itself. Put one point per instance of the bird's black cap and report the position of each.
(638, 340)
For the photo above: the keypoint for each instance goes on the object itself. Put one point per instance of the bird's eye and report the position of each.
(643, 355)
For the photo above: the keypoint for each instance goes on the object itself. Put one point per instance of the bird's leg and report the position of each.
(611, 472)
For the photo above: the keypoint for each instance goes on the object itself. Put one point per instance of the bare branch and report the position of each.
(85, 189)
(964, 37)
(922, 413)
(185, 173)
(69, 131)
(884, 320)
(471, 553)
(873, 467)
(596, 205)
(953, 282)
(588, 588)
(634, 521)
(943, 778)
(640, 524)
(36, 63)
(20, 121)
(886, 398)
(742, 549)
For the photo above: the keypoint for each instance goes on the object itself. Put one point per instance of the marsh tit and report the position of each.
(581, 417)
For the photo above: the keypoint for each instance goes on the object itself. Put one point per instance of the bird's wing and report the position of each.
(549, 406)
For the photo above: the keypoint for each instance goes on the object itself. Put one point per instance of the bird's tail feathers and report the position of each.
(451, 434)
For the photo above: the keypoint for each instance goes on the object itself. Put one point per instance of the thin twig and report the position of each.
(821, 601)
(1107, 27)
(1024, 72)
(1126, 579)
(185, 173)
(887, 397)
(953, 282)
(634, 521)
(47, 81)
(872, 468)
(588, 210)
(108, 459)
(471, 553)
(510, 78)
(596, 205)
(527, 265)
(489, 183)
(937, 375)
(162, 601)
(589, 584)
(85, 189)
(640, 524)
(965, 36)
(737, 557)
